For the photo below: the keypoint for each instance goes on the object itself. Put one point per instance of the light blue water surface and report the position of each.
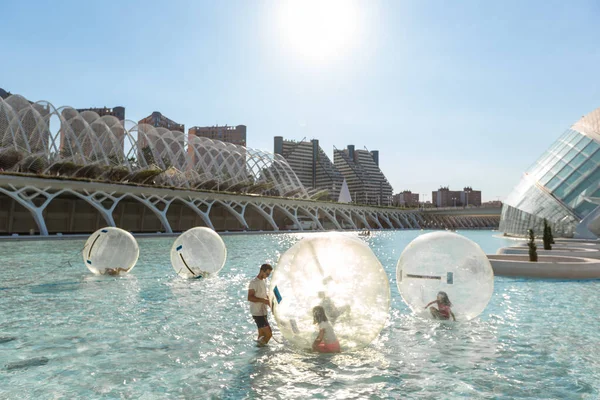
(152, 335)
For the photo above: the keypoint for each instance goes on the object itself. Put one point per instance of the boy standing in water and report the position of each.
(259, 301)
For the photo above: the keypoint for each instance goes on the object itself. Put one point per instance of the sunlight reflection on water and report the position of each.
(151, 334)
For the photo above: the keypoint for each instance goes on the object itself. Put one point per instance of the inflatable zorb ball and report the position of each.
(445, 262)
(339, 273)
(198, 253)
(110, 251)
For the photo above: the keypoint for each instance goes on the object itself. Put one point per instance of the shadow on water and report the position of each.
(23, 364)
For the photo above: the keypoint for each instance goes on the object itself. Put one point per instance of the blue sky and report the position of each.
(450, 93)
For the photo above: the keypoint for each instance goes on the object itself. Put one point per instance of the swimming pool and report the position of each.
(151, 334)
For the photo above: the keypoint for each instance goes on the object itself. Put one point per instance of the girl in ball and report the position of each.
(443, 311)
(326, 341)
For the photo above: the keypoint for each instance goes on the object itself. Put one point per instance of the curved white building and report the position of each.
(38, 138)
(562, 186)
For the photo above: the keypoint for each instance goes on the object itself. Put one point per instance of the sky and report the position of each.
(454, 94)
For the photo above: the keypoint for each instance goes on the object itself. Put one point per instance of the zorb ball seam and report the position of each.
(110, 251)
(198, 253)
(447, 265)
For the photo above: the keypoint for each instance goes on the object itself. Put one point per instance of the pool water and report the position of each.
(65, 333)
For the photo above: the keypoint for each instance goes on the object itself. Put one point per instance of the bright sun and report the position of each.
(318, 30)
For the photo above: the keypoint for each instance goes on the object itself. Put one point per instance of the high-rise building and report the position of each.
(229, 134)
(406, 199)
(444, 197)
(366, 182)
(562, 186)
(171, 136)
(312, 166)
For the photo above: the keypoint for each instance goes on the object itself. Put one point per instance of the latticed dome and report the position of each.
(38, 138)
(589, 124)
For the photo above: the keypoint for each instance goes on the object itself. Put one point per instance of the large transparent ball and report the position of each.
(339, 273)
(445, 262)
(110, 251)
(198, 253)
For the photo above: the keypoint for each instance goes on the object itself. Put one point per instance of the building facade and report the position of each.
(117, 112)
(444, 197)
(312, 166)
(366, 182)
(562, 186)
(406, 198)
(229, 134)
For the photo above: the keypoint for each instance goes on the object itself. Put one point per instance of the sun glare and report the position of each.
(318, 30)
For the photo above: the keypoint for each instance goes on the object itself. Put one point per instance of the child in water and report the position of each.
(326, 341)
(443, 311)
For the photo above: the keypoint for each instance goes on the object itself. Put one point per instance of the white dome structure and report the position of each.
(562, 186)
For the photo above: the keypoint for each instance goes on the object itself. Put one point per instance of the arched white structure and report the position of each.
(40, 139)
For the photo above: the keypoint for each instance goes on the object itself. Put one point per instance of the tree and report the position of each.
(532, 247)
(548, 239)
(148, 156)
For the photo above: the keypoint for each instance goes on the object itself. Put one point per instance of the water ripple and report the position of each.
(152, 335)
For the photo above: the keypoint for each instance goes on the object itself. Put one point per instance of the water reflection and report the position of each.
(152, 334)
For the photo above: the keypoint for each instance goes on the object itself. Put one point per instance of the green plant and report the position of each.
(67, 168)
(548, 239)
(116, 174)
(92, 171)
(145, 175)
(532, 247)
(35, 164)
(9, 158)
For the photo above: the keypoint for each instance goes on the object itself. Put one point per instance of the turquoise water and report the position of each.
(65, 333)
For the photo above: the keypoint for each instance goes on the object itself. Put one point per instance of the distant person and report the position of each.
(332, 312)
(259, 301)
(114, 271)
(326, 341)
(443, 311)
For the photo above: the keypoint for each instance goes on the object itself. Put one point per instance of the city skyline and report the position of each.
(453, 93)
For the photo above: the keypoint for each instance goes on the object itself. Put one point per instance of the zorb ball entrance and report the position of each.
(339, 273)
(110, 251)
(198, 253)
(445, 262)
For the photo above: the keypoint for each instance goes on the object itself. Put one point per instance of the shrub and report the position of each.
(145, 175)
(92, 171)
(548, 240)
(9, 158)
(67, 168)
(532, 247)
(35, 164)
(116, 174)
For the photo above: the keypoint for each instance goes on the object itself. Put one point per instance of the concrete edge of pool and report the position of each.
(547, 267)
